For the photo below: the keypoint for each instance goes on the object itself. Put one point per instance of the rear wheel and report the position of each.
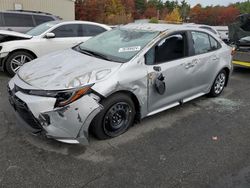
(16, 60)
(219, 84)
(116, 117)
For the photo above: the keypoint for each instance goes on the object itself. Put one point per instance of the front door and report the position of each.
(66, 36)
(169, 72)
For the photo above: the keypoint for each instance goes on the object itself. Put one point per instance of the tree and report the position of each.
(218, 15)
(174, 16)
(184, 10)
(171, 5)
(243, 7)
(129, 6)
(150, 12)
(154, 20)
(140, 6)
(91, 10)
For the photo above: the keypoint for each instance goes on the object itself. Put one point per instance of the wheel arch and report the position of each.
(135, 101)
(228, 74)
(17, 50)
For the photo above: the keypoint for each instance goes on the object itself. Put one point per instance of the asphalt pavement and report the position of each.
(204, 143)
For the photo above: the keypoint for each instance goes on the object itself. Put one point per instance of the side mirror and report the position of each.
(50, 35)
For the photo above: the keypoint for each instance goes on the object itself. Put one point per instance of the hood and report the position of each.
(6, 36)
(66, 69)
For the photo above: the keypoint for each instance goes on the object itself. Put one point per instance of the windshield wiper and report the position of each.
(95, 54)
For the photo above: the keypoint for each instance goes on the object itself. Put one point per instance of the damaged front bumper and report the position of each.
(69, 124)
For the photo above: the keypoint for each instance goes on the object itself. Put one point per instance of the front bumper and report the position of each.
(69, 124)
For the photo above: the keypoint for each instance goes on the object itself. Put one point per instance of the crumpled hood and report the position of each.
(6, 36)
(66, 69)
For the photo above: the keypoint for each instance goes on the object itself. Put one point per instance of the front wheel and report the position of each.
(116, 117)
(219, 84)
(16, 60)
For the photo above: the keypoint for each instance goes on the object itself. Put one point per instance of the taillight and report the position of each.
(233, 51)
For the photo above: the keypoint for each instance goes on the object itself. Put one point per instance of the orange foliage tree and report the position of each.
(174, 16)
(213, 15)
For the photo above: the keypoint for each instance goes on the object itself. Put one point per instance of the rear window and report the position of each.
(18, 20)
(42, 19)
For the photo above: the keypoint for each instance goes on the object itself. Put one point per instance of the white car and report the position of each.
(17, 48)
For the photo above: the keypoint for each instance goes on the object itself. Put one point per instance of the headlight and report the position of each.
(65, 97)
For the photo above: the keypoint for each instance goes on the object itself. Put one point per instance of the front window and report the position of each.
(65, 31)
(172, 48)
(118, 45)
(42, 28)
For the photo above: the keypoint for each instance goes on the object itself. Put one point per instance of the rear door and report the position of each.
(206, 58)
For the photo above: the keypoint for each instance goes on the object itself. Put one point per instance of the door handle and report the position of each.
(189, 65)
(157, 68)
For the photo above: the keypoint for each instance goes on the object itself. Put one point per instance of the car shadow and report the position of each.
(241, 70)
(4, 74)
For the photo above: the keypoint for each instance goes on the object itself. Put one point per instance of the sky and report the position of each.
(212, 2)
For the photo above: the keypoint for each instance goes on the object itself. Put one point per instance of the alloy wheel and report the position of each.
(220, 83)
(19, 61)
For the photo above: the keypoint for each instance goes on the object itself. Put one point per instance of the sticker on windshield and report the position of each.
(129, 49)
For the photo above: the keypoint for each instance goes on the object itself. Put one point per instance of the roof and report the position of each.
(152, 27)
(62, 22)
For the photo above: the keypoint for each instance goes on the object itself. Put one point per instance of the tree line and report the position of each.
(125, 11)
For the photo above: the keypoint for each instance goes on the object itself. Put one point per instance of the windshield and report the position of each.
(41, 28)
(119, 45)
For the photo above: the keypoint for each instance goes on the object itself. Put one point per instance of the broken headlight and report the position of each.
(65, 97)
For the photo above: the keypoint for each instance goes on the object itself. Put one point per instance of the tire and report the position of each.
(219, 84)
(121, 110)
(16, 60)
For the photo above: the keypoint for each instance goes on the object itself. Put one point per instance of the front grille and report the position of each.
(22, 109)
(27, 116)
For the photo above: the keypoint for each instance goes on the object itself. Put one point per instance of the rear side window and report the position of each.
(201, 42)
(42, 19)
(18, 20)
(214, 44)
(92, 30)
(70, 30)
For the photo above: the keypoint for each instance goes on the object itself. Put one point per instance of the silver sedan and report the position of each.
(113, 80)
